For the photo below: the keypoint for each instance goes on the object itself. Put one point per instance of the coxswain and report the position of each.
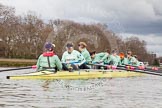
(48, 60)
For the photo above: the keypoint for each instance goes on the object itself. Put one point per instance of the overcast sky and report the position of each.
(141, 18)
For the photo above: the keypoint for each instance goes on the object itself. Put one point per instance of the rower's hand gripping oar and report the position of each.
(145, 68)
(20, 68)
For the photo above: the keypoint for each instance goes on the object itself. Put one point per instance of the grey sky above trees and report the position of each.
(141, 18)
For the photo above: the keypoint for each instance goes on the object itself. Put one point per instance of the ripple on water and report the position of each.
(137, 92)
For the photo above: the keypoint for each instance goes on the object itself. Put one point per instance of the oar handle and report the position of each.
(34, 66)
(140, 67)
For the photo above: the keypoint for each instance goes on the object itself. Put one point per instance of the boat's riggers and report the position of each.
(153, 69)
(140, 71)
(131, 68)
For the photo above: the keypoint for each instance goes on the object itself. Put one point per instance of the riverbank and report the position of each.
(16, 62)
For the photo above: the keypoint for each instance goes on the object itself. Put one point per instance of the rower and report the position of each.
(131, 60)
(72, 59)
(100, 58)
(48, 60)
(123, 60)
(114, 59)
(82, 48)
(93, 55)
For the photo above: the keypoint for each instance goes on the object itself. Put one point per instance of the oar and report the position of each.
(152, 69)
(28, 67)
(130, 69)
(69, 62)
(140, 71)
(148, 72)
(146, 68)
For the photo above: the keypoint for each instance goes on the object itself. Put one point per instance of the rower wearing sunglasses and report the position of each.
(131, 60)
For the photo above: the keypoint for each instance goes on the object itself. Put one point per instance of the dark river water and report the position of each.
(134, 92)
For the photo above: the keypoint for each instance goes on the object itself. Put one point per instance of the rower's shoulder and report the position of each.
(100, 54)
(133, 58)
(75, 51)
(55, 57)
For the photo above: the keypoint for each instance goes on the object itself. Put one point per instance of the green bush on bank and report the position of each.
(16, 64)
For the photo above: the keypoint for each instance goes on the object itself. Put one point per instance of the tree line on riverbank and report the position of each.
(24, 36)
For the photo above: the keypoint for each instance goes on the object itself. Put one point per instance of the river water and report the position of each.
(134, 92)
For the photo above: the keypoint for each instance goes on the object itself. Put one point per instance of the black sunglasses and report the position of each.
(128, 53)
